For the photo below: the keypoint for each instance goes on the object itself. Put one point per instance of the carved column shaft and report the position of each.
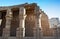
(6, 30)
(21, 28)
(37, 23)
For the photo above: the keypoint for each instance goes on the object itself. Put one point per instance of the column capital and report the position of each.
(22, 12)
(9, 13)
(37, 12)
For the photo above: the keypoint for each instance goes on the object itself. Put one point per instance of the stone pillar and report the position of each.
(37, 33)
(21, 29)
(6, 30)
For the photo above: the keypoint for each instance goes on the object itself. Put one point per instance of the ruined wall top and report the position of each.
(17, 6)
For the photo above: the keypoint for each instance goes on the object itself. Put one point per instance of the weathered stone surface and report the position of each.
(45, 24)
(24, 22)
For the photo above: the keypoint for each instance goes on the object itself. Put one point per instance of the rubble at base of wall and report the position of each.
(34, 38)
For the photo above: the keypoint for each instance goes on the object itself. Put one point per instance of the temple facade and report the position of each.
(25, 21)
(20, 21)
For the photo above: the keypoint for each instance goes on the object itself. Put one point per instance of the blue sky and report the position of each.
(50, 7)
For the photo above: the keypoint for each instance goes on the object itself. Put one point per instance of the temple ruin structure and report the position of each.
(25, 21)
